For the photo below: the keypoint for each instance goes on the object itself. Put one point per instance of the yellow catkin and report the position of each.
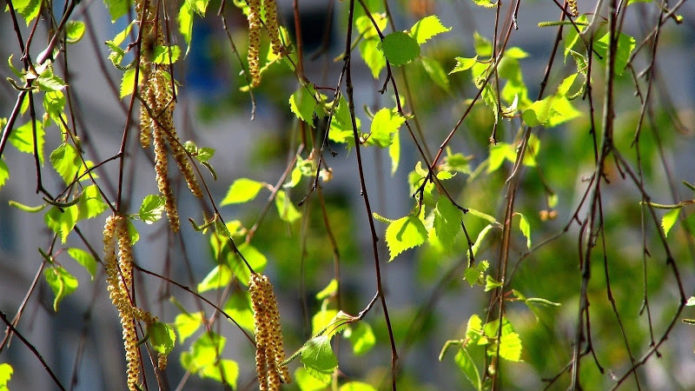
(574, 11)
(271, 17)
(119, 273)
(160, 167)
(254, 19)
(270, 352)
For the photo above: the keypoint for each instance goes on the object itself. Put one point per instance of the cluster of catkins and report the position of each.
(157, 113)
(255, 27)
(574, 11)
(119, 279)
(270, 352)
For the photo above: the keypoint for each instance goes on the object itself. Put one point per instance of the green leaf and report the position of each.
(485, 3)
(311, 381)
(6, 372)
(128, 83)
(373, 56)
(356, 386)
(29, 9)
(217, 278)
(366, 28)
(691, 301)
(474, 330)
(403, 234)
(385, 124)
(90, 204)
(669, 220)
(498, 154)
(225, 369)
(242, 190)
(161, 337)
(54, 103)
(62, 223)
(483, 46)
(435, 71)
(85, 259)
(117, 8)
(550, 111)
(475, 275)
(199, 6)
(465, 362)
(447, 221)
(187, 324)
(317, 355)
(626, 44)
(185, 20)
(62, 283)
(23, 138)
(47, 81)
(525, 228)
(74, 30)
(164, 54)
(66, 161)
(204, 352)
(400, 48)
(510, 345)
(395, 152)
(286, 208)
(151, 208)
(361, 337)
(426, 28)
(4, 173)
(482, 215)
(491, 283)
(341, 130)
(464, 64)
(321, 320)
(255, 258)
(329, 291)
(303, 103)
(239, 308)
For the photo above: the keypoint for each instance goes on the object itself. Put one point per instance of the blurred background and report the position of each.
(428, 299)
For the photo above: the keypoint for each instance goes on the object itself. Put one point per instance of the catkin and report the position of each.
(271, 17)
(270, 352)
(574, 11)
(254, 19)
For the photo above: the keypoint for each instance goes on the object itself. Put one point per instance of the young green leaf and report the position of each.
(239, 308)
(185, 19)
(475, 275)
(161, 337)
(303, 103)
(29, 9)
(329, 291)
(465, 362)
(464, 64)
(242, 190)
(187, 324)
(62, 283)
(395, 152)
(626, 44)
(4, 173)
(311, 381)
(510, 345)
(204, 352)
(225, 369)
(321, 320)
(403, 234)
(47, 81)
(435, 71)
(85, 259)
(66, 161)
(164, 54)
(6, 372)
(63, 222)
(151, 208)
(385, 124)
(427, 28)
(128, 82)
(286, 208)
(447, 221)
(491, 283)
(74, 30)
(356, 386)
(525, 228)
(317, 355)
(400, 48)
(669, 220)
(90, 204)
(361, 337)
(373, 56)
(23, 138)
(117, 8)
(218, 277)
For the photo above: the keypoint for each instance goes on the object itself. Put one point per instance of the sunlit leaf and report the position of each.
(161, 337)
(90, 204)
(303, 103)
(475, 275)
(163, 54)
(385, 123)
(85, 259)
(525, 228)
(373, 56)
(669, 220)
(356, 386)
(151, 208)
(204, 352)
(185, 19)
(427, 28)
(23, 138)
(311, 381)
(74, 30)
(465, 362)
(29, 9)
(435, 71)
(62, 222)
(6, 372)
(225, 369)
(128, 82)
(62, 283)
(403, 234)
(187, 324)
(117, 8)
(4, 173)
(242, 190)
(361, 337)
(317, 355)
(329, 291)
(239, 308)
(286, 209)
(321, 320)
(626, 44)
(218, 277)
(400, 48)
(66, 161)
